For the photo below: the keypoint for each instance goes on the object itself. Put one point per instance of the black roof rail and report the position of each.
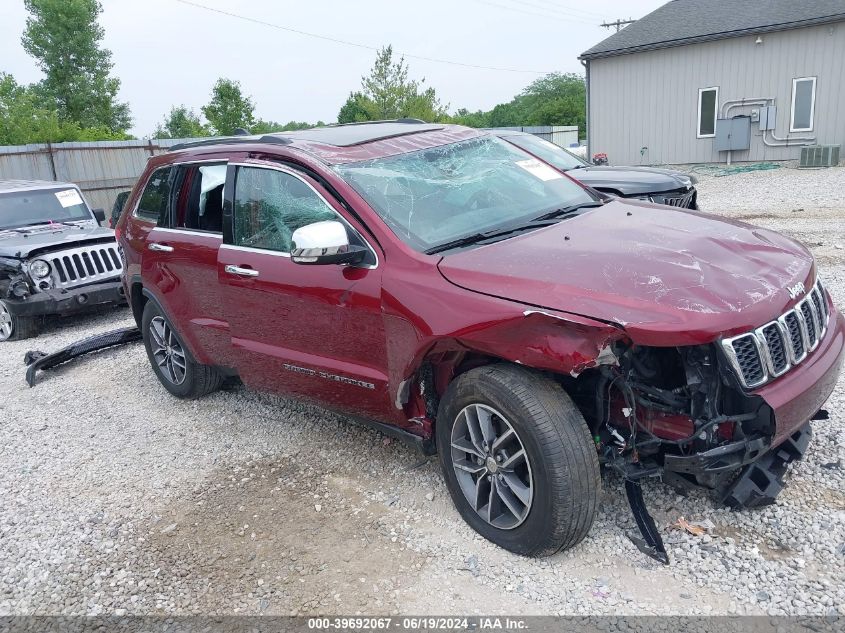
(233, 140)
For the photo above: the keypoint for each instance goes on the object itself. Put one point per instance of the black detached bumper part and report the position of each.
(67, 301)
(36, 360)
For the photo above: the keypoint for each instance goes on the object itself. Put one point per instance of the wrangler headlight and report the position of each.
(39, 269)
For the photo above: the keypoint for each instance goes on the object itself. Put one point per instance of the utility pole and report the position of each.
(618, 24)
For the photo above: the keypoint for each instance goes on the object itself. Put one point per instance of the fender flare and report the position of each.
(146, 292)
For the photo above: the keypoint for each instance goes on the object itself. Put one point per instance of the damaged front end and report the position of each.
(680, 413)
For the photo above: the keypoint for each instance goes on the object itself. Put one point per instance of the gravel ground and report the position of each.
(117, 498)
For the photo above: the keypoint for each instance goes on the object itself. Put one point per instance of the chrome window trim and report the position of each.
(250, 249)
(820, 322)
(191, 232)
(293, 172)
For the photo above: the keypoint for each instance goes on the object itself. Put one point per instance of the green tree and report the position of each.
(355, 109)
(228, 108)
(471, 119)
(64, 38)
(388, 93)
(265, 127)
(556, 99)
(24, 119)
(181, 123)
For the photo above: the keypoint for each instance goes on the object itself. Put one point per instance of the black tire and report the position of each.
(197, 379)
(21, 327)
(564, 467)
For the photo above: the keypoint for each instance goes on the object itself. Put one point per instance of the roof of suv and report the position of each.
(7, 186)
(351, 142)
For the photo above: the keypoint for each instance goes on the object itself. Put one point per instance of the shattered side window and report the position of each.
(433, 196)
(270, 205)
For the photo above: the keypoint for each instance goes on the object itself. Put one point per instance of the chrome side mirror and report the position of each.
(324, 242)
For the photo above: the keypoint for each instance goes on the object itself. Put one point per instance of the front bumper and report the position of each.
(67, 301)
(796, 396)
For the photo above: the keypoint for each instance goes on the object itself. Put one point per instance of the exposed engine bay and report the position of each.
(680, 414)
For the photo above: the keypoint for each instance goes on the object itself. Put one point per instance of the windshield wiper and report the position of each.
(476, 238)
(557, 213)
(42, 223)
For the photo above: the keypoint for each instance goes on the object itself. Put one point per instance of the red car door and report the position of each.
(313, 331)
(180, 261)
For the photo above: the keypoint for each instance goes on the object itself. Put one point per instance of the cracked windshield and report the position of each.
(435, 196)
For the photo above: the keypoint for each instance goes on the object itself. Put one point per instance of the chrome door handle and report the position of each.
(243, 272)
(164, 248)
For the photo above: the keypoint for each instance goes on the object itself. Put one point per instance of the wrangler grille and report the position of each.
(85, 265)
(773, 349)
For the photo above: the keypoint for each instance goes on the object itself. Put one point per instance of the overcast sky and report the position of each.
(168, 53)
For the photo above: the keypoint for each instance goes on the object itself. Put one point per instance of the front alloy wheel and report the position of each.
(491, 466)
(518, 459)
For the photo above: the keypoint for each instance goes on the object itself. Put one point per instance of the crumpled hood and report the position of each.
(668, 276)
(20, 243)
(631, 181)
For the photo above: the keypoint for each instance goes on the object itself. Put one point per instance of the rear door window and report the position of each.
(200, 199)
(155, 200)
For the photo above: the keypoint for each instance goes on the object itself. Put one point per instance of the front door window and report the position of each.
(270, 205)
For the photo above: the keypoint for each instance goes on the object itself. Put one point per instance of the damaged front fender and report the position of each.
(562, 344)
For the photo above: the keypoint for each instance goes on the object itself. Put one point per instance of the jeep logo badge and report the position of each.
(796, 290)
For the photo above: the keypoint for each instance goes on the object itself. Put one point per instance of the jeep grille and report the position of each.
(683, 199)
(85, 265)
(770, 351)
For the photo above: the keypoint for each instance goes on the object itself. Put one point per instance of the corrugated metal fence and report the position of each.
(102, 169)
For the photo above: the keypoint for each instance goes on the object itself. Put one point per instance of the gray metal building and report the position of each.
(702, 81)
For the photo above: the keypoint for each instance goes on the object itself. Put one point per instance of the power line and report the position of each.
(533, 13)
(355, 44)
(564, 10)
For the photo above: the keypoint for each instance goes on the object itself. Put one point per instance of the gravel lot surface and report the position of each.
(117, 498)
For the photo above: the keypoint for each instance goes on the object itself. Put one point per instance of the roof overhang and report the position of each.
(711, 37)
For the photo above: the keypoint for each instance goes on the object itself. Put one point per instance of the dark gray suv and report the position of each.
(662, 186)
(54, 256)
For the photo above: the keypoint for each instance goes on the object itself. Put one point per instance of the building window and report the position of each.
(803, 104)
(708, 103)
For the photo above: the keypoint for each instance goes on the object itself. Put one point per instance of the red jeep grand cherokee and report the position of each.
(453, 290)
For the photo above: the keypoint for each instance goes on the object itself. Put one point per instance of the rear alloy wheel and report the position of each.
(15, 328)
(168, 353)
(518, 459)
(171, 361)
